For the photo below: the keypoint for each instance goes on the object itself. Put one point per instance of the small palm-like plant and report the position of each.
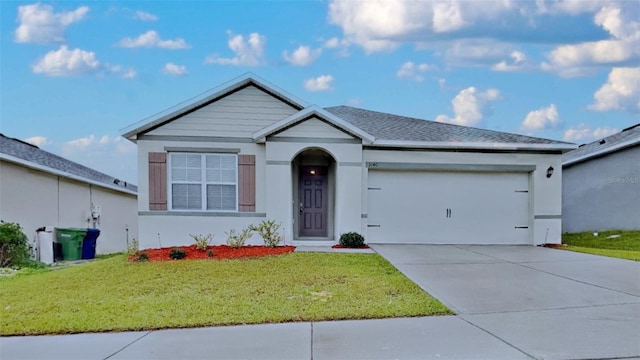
(202, 242)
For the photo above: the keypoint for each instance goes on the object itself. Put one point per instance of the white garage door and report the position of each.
(419, 207)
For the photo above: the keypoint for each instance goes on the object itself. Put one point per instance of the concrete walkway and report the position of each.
(512, 303)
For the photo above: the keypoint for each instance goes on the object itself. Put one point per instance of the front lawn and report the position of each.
(627, 246)
(116, 295)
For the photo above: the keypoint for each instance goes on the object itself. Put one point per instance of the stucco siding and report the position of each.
(237, 115)
(28, 197)
(118, 222)
(603, 193)
(314, 128)
(35, 198)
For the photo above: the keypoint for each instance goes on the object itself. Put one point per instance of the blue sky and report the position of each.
(75, 73)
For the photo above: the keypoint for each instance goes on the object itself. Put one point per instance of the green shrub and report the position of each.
(14, 246)
(202, 242)
(177, 253)
(237, 240)
(268, 230)
(142, 257)
(351, 239)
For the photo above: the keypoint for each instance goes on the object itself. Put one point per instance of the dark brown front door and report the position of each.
(312, 201)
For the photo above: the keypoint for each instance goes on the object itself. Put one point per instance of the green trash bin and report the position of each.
(71, 240)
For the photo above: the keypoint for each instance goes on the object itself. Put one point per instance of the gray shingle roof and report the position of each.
(608, 144)
(394, 127)
(33, 154)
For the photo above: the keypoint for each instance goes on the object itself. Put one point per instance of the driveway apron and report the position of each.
(547, 303)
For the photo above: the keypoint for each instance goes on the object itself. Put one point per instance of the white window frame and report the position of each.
(203, 182)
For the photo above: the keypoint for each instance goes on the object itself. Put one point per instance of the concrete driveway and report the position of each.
(549, 304)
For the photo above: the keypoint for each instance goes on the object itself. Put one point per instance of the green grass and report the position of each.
(115, 295)
(627, 246)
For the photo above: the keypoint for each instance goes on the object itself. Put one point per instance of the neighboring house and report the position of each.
(251, 152)
(601, 184)
(38, 189)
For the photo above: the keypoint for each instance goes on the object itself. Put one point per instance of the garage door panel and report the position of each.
(447, 207)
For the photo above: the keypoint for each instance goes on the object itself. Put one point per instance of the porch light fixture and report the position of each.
(549, 171)
(312, 172)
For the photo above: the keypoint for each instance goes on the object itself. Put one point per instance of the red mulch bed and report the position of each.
(553, 246)
(338, 246)
(219, 252)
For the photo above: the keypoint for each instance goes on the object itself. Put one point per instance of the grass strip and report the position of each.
(613, 243)
(115, 295)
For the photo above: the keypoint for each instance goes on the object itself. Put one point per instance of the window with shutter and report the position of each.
(203, 182)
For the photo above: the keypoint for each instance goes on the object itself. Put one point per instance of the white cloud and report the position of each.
(145, 16)
(342, 45)
(621, 22)
(38, 140)
(39, 24)
(173, 69)
(65, 62)
(382, 25)
(541, 119)
(620, 92)
(412, 71)
(151, 39)
(470, 106)
(335, 42)
(302, 56)
(447, 17)
(320, 83)
(114, 156)
(518, 62)
(249, 52)
(584, 134)
(129, 74)
(92, 143)
(475, 51)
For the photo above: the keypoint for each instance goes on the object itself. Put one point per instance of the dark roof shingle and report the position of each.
(33, 154)
(395, 127)
(611, 142)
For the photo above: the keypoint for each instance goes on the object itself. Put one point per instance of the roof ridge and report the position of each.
(21, 141)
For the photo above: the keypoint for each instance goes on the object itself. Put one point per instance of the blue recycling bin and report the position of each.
(89, 244)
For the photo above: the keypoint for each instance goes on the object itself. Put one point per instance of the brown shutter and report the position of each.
(157, 181)
(247, 183)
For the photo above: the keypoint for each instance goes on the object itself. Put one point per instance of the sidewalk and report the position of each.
(443, 337)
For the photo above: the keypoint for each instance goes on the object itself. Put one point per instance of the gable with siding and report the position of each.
(314, 128)
(237, 115)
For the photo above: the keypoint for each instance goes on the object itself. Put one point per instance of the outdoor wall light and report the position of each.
(549, 171)
(312, 172)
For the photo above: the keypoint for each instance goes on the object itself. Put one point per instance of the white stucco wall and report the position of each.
(603, 193)
(35, 198)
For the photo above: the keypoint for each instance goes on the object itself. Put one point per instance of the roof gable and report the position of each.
(313, 112)
(313, 127)
(216, 94)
